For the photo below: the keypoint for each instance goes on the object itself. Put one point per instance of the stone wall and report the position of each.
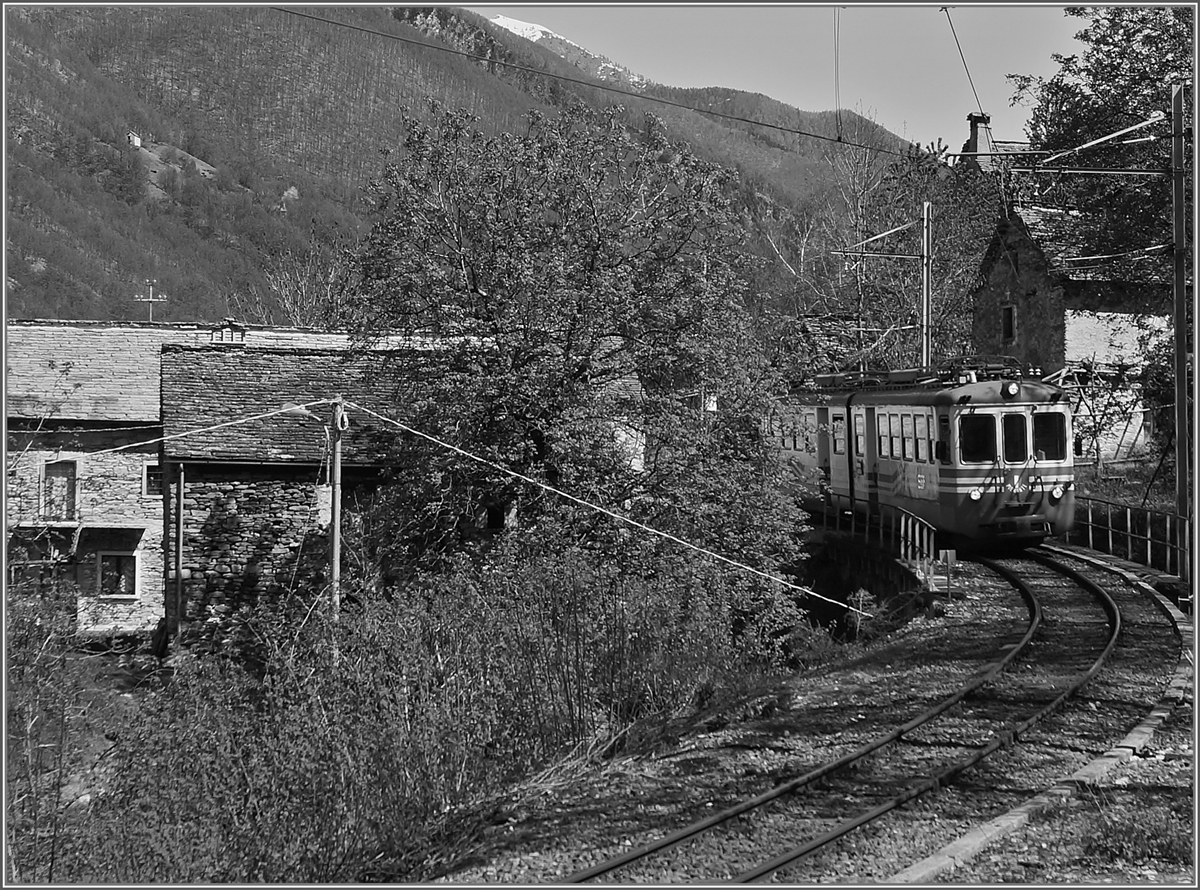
(1015, 273)
(113, 516)
(249, 533)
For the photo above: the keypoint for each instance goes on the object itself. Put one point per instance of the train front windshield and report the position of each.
(978, 441)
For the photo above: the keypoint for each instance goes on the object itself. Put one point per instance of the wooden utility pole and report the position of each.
(1182, 449)
(335, 509)
(179, 560)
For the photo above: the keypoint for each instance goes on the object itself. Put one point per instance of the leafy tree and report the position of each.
(1133, 57)
(586, 284)
(964, 206)
(874, 191)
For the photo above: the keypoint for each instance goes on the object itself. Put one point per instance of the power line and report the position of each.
(837, 87)
(595, 86)
(961, 55)
(290, 409)
(596, 507)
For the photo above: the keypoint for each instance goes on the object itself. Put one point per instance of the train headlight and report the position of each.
(1009, 389)
(1056, 492)
(975, 494)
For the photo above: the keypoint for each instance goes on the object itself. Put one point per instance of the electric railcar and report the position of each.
(980, 449)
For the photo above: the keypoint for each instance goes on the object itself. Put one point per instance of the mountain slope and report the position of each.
(599, 67)
(260, 128)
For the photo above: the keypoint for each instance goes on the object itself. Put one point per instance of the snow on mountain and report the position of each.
(582, 58)
(524, 29)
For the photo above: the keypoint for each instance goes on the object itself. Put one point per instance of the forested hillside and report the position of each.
(260, 128)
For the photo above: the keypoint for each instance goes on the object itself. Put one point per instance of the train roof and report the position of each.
(960, 381)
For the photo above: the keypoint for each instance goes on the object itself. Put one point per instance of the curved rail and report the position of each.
(1002, 740)
(1035, 620)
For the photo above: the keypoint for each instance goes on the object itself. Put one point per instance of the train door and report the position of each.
(944, 465)
(821, 434)
(865, 461)
(841, 482)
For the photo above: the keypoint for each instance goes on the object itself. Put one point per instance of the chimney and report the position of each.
(975, 120)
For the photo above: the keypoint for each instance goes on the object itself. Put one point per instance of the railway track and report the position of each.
(863, 809)
(1068, 638)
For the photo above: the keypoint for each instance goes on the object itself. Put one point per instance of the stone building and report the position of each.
(84, 484)
(1086, 326)
(247, 503)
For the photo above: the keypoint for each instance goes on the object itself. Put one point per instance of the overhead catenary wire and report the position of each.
(1154, 118)
(962, 55)
(837, 86)
(537, 483)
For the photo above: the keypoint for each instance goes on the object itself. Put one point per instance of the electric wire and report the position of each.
(961, 55)
(837, 87)
(596, 507)
(513, 473)
(590, 85)
(208, 429)
(1155, 118)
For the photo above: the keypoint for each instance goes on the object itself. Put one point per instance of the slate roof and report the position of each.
(109, 371)
(87, 370)
(205, 386)
(1115, 283)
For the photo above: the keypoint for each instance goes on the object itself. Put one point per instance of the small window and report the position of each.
(922, 425)
(116, 574)
(895, 423)
(59, 491)
(152, 481)
(1008, 323)
(839, 434)
(909, 444)
(882, 421)
(1050, 436)
(977, 438)
(944, 438)
(229, 332)
(860, 435)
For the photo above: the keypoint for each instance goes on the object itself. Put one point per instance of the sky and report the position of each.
(897, 64)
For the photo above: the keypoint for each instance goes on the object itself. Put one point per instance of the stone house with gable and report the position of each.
(84, 483)
(1085, 326)
(247, 504)
(83, 473)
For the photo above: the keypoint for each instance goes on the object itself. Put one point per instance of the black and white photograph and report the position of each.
(563, 443)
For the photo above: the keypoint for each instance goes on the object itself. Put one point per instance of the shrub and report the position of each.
(304, 748)
(44, 718)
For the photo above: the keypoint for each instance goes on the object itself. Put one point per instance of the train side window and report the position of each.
(922, 425)
(895, 423)
(906, 424)
(977, 438)
(1050, 436)
(839, 434)
(881, 421)
(860, 435)
(1016, 438)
